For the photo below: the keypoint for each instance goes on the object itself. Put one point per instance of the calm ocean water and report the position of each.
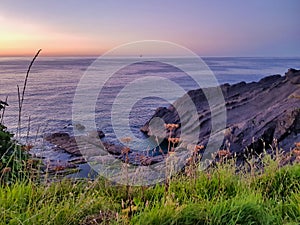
(52, 84)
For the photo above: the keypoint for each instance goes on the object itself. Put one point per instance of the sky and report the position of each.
(207, 27)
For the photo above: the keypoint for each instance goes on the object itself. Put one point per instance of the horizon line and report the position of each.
(99, 55)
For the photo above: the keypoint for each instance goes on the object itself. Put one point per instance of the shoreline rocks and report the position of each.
(82, 147)
(71, 144)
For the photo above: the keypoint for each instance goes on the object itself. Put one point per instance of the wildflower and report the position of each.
(189, 160)
(59, 168)
(171, 153)
(6, 170)
(171, 126)
(174, 140)
(223, 153)
(29, 162)
(27, 147)
(125, 150)
(198, 148)
(296, 152)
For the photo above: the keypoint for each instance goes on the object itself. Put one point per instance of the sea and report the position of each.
(53, 83)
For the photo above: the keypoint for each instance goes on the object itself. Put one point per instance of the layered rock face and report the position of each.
(257, 113)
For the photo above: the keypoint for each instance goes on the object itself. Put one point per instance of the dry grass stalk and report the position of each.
(21, 97)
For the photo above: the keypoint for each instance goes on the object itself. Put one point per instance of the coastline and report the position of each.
(237, 95)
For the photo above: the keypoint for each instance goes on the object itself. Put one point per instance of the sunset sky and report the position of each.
(209, 28)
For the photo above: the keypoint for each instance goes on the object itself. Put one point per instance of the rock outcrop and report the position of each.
(77, 146)
(84, 147)
(257, 114)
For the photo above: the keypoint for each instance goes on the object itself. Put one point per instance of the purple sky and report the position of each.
(209, 28)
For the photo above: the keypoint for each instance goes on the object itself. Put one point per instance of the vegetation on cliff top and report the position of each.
(217, 196)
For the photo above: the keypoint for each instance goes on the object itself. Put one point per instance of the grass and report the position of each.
(13, 158)
(219, 196)
(59, 203)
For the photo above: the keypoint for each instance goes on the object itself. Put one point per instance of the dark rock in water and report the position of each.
(112, 148)
(97, 134)
(65, 142)
(79, 127)
(87, 148)
(59, 135)
(79, 145)
(265, 110)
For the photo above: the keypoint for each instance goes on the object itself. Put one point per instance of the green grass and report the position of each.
(13, 158)
(218, 197)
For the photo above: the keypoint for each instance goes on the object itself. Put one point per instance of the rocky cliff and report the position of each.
(257, 114)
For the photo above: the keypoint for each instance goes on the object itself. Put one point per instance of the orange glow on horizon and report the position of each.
(18, 38)
(46, 53)
(21, 38)
(53, 46)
